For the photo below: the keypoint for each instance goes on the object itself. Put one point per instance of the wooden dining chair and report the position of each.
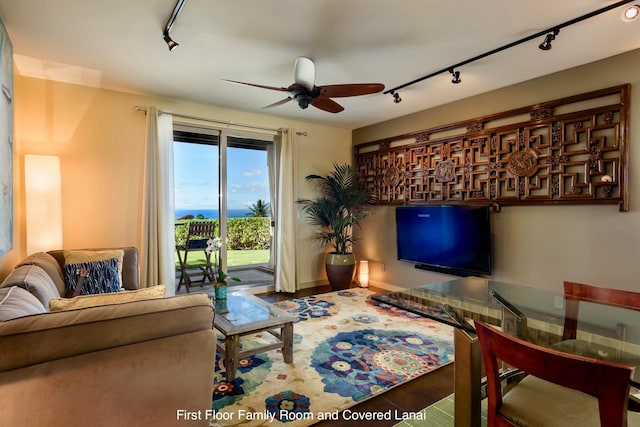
(576, 292)
(559, 389)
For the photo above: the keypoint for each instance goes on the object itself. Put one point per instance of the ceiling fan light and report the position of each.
(631, 13)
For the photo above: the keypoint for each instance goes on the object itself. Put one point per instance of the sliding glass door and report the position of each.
(223, 176)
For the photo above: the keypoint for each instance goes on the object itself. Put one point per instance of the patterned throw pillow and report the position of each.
(101, 277)
(77, 256)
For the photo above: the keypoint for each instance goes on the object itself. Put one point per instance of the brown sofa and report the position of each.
(42, 273)
(135, 363)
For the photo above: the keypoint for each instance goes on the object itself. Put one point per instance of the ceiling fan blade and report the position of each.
(275, 104)
(355, 89)
(279, 89)
(327, 104)
(304, 72)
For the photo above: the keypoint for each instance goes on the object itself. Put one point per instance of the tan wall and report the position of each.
(100, 140)
(540, 245)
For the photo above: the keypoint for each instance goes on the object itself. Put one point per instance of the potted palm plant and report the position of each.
(342, 204)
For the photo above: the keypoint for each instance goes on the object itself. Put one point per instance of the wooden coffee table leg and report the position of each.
(232, 346)
(287, 342)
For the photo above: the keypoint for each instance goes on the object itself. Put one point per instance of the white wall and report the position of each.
(533, 245)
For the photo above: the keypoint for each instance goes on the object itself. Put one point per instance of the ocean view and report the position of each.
(212, 213)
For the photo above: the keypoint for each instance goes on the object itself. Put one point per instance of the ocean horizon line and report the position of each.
(211, 213)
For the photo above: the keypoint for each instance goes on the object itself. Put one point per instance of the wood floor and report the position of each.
(410, 397)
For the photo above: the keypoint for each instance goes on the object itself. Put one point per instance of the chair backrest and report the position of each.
(576, 292)
(608, 382)
(199, 232)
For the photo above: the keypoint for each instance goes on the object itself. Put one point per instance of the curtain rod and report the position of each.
(205, 119)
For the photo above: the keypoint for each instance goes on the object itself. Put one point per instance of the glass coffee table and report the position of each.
(245, 314)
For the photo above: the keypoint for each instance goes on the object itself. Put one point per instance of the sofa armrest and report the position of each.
(51, 336)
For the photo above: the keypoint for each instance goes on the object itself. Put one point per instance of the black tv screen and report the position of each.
(453, 239)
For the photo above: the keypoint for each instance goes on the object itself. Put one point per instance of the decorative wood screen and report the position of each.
(571, 150)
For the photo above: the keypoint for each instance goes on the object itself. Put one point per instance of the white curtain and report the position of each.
(272, 166)
(285, 213)
(158, 235)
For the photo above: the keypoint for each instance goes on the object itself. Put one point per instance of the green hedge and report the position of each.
(243, 233)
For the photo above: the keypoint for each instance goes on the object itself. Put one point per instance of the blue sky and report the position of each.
(196, 177)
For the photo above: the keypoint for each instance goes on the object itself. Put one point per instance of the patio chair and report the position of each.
(197, 273)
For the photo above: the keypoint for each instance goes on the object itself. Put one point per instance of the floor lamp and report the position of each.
(43, 195)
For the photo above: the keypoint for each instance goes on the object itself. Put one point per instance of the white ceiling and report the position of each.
(117, 44)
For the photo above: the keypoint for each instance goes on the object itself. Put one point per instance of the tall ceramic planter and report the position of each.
(340, 270)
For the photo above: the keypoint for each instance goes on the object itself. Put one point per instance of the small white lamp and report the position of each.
(363, 274)
(43, 203)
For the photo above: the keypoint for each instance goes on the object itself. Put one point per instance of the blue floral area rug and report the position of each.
(347, 348)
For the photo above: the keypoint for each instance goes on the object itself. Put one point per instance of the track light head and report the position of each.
(170, 43)
(546, 44)
(456, 76)
(396, 97)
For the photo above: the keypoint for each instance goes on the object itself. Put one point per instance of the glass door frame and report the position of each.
(223, 136)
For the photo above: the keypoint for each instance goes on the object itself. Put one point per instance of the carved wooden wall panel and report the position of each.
(571, 150)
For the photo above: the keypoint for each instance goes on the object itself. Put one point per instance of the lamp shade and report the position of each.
(363, 273)
(43, 195)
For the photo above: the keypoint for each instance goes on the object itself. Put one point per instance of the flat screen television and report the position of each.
(452, 239)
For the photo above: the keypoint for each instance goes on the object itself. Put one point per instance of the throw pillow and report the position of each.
(35, 280)
(49, 265)
(17, 302)
(78, 256)
(101, 277)
(57, 304)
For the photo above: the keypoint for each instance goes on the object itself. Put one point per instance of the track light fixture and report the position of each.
(170, 43)
(546, 44)
(456, 77)
(549, 35)
(167, 28)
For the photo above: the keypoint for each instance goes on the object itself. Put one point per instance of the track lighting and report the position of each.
(546, 44)
(170, 43)
(167, 28)
(630, 13)
(396, 96)
(456, 77)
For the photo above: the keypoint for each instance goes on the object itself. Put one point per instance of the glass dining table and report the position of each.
(535, 315)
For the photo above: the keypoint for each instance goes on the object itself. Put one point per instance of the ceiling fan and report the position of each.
(305, 92)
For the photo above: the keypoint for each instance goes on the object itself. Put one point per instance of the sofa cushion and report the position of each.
(57, 304)
(35, 280)
(50, 336)
(101, 277)
(17, 302)
(50, 265)
(80, 256)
